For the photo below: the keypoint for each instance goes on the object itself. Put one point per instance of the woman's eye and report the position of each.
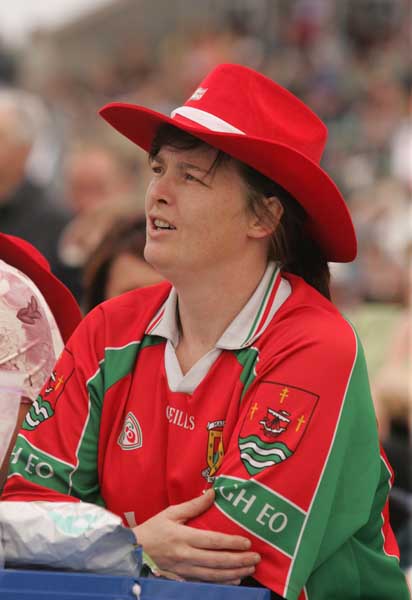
(156, 169)
(190, 177)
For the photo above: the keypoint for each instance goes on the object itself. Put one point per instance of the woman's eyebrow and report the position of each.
(192, 167)
(181, 165)
(155, 158)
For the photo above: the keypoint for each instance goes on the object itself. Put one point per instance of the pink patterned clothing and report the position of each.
(30, 341)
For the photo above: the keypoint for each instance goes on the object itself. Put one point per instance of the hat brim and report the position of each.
(329, 221)
(60, 300)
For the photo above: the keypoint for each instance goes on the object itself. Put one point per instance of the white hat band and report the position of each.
(206, 119)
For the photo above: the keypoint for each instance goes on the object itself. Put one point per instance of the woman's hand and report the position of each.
(194, 554)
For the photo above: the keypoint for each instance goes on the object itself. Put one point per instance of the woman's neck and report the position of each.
(207, 306)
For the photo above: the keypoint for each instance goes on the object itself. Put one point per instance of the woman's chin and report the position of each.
(159, 261)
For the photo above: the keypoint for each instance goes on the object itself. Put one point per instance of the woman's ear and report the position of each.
(266, 223)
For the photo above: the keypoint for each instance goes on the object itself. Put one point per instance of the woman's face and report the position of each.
(196, 220)
(128, 272)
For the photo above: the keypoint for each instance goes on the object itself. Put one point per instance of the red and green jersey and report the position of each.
(282, 426)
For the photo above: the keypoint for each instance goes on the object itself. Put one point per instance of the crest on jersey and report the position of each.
(131, 436)
(215, 451)
(277, 419)
(275, 422)
(41, 409)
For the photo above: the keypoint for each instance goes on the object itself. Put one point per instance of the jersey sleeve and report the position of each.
(306, 433)
(55, 457)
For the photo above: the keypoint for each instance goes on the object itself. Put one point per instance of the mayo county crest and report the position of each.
(215, 450)
(276, 421)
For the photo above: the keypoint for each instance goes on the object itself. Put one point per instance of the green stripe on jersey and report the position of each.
(261, 511)
(390, 583)
(327, 556)
(40, 467)
(117, 364)
(261, 307)
(308, 554)
(248, 358)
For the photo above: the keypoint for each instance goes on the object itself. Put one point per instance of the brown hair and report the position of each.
(126, 236)
(291, 246)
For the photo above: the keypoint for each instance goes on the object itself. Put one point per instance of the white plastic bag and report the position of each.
(75, 536)
(11, 388)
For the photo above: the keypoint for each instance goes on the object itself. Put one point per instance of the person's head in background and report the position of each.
(20, 116)
(100, 186)
(118, 265)
(95, 174)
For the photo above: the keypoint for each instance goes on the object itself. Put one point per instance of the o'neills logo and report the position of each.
(131, 436)
(180, 418)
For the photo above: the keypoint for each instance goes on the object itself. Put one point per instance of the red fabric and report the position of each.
(170, 464)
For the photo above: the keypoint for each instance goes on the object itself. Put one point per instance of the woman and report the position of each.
(242, 377)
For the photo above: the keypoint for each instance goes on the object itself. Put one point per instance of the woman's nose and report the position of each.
(161, 190)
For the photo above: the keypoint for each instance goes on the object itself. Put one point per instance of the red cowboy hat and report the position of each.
(23, 256)
(252, 118)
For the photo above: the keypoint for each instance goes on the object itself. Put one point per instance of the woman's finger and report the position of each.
(212, 540)
(220, 560)
(213, 575)
(192, 508)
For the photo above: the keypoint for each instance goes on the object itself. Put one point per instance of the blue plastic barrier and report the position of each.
(16, 584)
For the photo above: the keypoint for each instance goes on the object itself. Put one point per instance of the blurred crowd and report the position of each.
(75, 191)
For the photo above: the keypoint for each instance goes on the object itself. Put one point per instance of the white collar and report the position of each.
(246, 327)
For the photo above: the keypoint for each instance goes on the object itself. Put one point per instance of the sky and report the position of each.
(19, 17)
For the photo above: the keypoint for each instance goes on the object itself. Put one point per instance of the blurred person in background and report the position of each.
(371, 24)
(37, 316)
(118, 265)
(94, 174)
(100, 186)
(8, 66)
(381, 215)
(244, 361)
(376, 296)
(392, 390)
(401, 141)
(26, 210)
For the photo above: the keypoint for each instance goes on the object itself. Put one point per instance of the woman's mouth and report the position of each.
(160, 224)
